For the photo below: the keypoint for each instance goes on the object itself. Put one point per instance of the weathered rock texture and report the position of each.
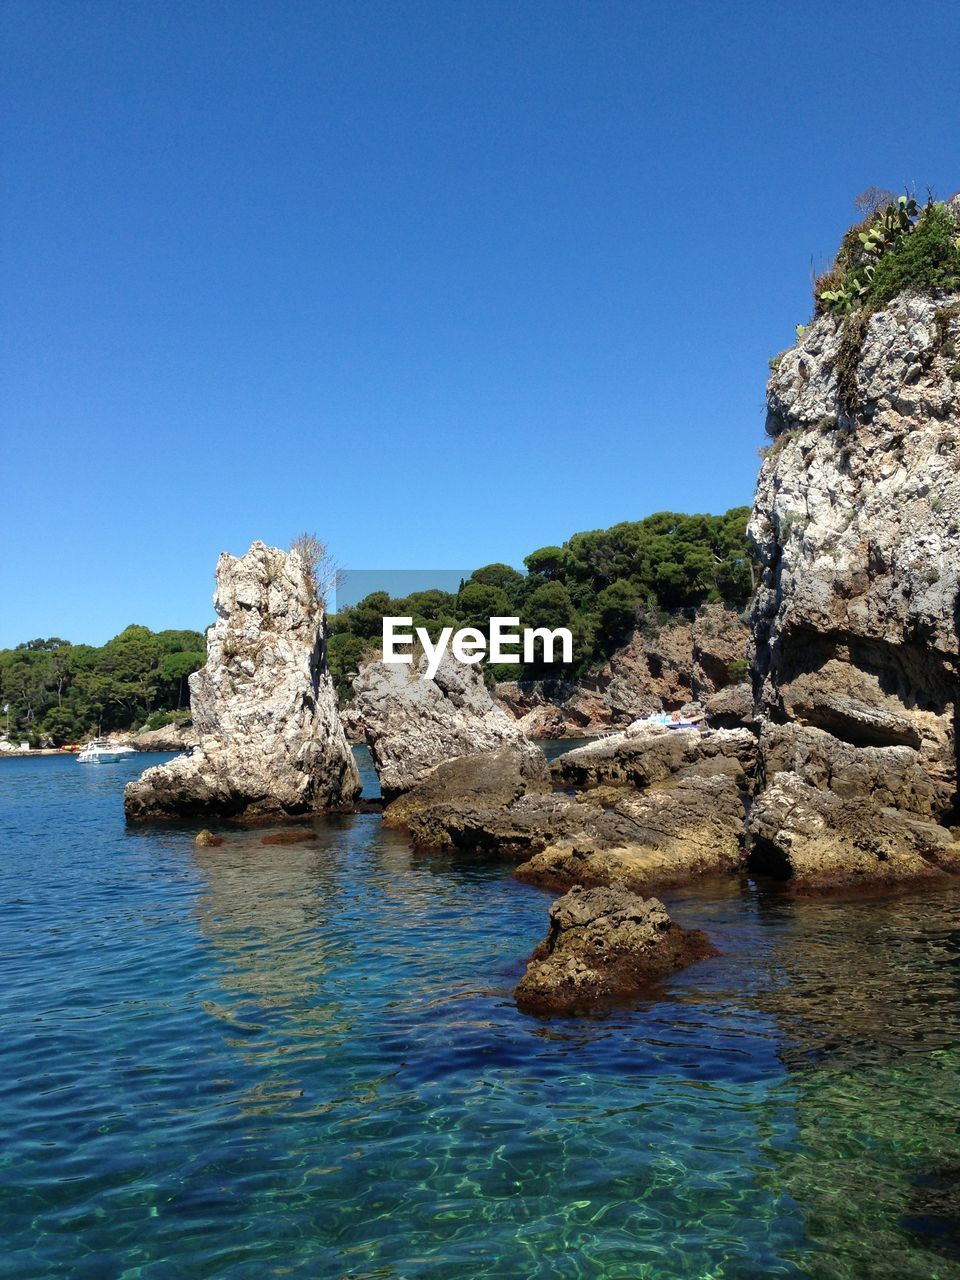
(172, 737)
(658, 808)
(643, 756)
(604, 944)
(264, 709)
(654, 810)
(663, 667)
(820, 840)
(855, 622)
(648, 840)
(413, 724)
(456, 791)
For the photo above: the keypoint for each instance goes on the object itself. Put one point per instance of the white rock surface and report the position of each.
(413, 724)
(264, 707)
(856, 524)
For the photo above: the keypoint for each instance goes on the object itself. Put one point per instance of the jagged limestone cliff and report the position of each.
(264, 707)
(856, 657)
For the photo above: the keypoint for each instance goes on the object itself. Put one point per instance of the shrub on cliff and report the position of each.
(926, 261)
(894, 249)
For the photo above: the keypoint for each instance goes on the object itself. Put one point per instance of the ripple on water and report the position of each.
(304, 1060)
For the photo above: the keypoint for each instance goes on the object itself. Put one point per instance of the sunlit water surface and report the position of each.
(303, 1060)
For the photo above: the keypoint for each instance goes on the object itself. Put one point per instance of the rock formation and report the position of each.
(856, 619)
(644, 755)
(413, 724)
(818, 839)
(847, 775)
(653, 810)
(172, 737)
(662, 667)
(604, 944)
(465, 786)
(270, 742)
(647, 840)
(672, 805)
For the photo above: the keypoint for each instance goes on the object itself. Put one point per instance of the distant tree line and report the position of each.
(60, 692)
(601, 585)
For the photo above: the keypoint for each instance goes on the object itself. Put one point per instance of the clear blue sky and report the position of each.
(443, 281)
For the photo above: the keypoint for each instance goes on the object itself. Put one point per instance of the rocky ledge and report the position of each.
(270, 743)
(819, 840)
(604, 945)
(172, 737)
(661, 808)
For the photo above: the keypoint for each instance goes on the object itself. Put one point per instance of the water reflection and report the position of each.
(865, 995)
(303, 1059)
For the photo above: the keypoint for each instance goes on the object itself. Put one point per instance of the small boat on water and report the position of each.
(103, 751)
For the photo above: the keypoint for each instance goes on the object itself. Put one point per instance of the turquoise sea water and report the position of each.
(303, 1060)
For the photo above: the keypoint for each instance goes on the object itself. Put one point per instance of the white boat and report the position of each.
(103, 751)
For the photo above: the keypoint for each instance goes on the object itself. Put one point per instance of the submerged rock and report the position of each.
(288, 837)
(604, 944)
(264, 707)
(412, 724)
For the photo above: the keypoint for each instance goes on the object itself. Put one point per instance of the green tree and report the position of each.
(497, 575)
(548, 562)
(345, 652)
(618, 607)
(477, 603)
(549, 606)
(368, 615)
(174, 671)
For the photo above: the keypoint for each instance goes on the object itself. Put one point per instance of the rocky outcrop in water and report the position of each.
(413, 724)
(270, 742)
(459, 790)
(604, 944)
(856, 620)
(648, 840)
(817, 839)
(669, 811)
(672, 805)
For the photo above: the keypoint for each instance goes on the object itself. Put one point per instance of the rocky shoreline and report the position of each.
(834, 770)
